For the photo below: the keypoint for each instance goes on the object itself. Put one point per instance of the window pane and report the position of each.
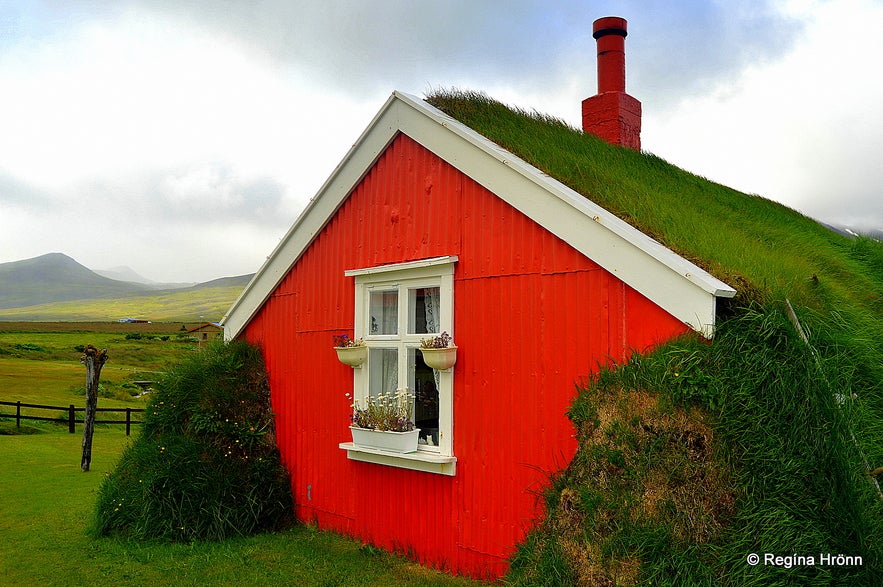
(384, 312)
(424, 384)
(383, 371)
(423, 310)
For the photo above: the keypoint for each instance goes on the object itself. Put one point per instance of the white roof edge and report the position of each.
(610, 221)
(270, 272)
(375, 138)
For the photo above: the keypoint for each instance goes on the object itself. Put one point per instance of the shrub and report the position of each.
(206, 464)
(29, 347)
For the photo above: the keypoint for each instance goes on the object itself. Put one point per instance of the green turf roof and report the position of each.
(760, 247)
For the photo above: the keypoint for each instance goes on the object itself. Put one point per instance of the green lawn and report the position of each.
(46, 504)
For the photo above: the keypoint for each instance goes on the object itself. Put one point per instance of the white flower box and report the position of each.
(401, 442)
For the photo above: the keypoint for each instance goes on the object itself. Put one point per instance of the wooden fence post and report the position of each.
(18, 414)
(128, 420)
(94, 361)
(71, 419)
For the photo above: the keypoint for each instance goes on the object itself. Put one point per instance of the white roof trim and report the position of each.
(680, 287)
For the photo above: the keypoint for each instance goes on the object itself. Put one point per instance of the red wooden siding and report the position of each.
(531, 317)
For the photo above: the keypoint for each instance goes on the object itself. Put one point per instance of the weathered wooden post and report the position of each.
(94, 360)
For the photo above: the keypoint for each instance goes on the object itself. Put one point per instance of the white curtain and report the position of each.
(390, 313)
(383, 371)
(383, 309)
(430, 302)
(390, 371)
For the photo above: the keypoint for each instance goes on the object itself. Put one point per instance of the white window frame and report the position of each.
(433, 272)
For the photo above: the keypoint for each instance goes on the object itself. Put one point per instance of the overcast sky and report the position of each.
(183, 137)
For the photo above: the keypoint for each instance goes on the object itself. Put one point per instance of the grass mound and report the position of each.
(206, 465)
(697, 455)
(773, 454)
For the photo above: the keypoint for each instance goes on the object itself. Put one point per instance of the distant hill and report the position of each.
(124, 273)
(55, 277)
(236, 281)
(852, 232)
(56, 287)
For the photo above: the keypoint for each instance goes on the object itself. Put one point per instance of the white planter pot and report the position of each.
(401, 442)
(353, 356)
(440, 359)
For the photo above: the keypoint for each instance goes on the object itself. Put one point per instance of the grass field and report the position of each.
(40, 362)
(46, 502)
(210, 303)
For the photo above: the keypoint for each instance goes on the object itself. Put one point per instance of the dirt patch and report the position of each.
(643, 466)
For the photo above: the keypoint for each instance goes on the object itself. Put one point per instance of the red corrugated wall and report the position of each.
(531, 317)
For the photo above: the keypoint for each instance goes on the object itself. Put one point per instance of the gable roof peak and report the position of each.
(680, 287)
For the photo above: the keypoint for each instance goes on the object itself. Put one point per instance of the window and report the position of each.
(397, 306)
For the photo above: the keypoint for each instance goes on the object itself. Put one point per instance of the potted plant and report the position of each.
(385, 422)
(439, 352)
(352, 352)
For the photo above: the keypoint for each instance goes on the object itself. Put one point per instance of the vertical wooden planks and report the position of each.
(531, 317)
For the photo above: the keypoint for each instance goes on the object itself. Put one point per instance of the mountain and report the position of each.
(56, 277)
(852, 232)
(235, 281)
(124, 273)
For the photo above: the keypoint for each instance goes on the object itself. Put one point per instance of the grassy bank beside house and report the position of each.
(699, 455)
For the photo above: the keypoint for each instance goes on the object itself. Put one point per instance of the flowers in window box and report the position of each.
(386, 412)
(350, 351)
(385, 423)
(441, 341)
(344, 341)
(439, 352)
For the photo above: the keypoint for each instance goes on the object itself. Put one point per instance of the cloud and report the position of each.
(682, 49)
(203, 127)
(18, 194)
(378, 46)
(207, 194)
(804, 130)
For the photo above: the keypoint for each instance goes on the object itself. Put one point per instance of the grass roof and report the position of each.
(762, 248)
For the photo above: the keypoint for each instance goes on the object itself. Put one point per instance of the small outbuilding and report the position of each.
(428, 227)
(206, 332)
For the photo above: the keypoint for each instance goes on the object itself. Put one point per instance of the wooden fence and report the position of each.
(71, 417)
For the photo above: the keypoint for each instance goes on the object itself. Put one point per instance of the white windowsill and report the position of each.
(418, 461)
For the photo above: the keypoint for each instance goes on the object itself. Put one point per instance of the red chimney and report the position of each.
(612, 114)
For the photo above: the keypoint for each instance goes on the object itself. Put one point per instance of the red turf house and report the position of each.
(427, 226)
